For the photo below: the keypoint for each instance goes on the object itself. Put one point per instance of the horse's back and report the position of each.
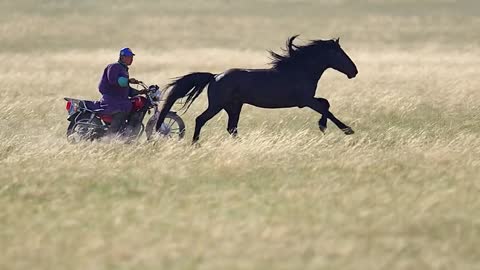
(265, 88)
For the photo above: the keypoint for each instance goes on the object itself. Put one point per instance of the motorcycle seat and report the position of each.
(95, 106)
(89, 105)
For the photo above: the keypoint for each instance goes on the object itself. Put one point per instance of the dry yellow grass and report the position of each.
(402, 193)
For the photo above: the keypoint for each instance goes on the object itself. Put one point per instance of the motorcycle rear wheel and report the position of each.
(83, 129)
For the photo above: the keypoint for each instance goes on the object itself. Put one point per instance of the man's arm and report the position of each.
(122, 81)
(133, 92)
(114, 78)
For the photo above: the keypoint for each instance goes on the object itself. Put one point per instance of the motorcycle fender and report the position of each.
(152, 122)
(73, 116)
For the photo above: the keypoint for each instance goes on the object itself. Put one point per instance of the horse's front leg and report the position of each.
(346, 129)
(322, 106)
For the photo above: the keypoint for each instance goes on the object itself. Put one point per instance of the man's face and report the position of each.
(127, 60)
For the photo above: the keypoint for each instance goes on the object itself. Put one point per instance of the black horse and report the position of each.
(290, 82)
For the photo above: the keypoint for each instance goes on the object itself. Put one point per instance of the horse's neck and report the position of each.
(319, 73)
(303, 72)
(311, 74)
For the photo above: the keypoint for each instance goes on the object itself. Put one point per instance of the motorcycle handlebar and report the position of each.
(134, 81)
(144, 86)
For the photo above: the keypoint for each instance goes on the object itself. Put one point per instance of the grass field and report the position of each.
(402, 193)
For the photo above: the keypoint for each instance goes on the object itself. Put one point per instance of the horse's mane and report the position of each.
(295, 56)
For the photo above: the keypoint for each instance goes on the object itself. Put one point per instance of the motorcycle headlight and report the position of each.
(153, 87)
(156, 95)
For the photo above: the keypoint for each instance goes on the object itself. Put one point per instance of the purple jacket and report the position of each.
(114, 96)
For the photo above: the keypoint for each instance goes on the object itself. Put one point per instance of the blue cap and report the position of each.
(126, 52)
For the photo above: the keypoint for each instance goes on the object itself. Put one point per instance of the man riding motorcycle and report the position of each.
(116, 92)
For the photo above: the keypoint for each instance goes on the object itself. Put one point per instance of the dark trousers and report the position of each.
(118, 122)
(134, 124)
(129, 129)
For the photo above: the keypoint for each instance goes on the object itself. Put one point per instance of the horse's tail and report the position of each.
(190, 86)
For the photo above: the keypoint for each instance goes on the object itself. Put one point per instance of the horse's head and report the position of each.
(315, 56)
(340, 61)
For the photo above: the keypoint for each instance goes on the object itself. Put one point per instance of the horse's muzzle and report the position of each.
(351, 76)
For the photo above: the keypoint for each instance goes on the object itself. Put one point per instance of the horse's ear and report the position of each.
(290, 46)
(337, 40)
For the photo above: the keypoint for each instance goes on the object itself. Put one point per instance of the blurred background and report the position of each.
(49, 25)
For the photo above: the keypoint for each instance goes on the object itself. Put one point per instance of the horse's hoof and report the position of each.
(322, 128)
(195, 143)
(348, 131)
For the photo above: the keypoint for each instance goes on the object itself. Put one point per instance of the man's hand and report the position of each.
(133, 81)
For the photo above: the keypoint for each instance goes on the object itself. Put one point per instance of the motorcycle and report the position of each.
(88, 122)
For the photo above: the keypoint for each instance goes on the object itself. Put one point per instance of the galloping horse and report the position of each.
(290, 82)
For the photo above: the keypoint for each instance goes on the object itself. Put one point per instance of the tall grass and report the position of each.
(402, 193)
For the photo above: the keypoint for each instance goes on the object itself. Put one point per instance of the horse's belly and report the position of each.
(270, 98)
(272, 104)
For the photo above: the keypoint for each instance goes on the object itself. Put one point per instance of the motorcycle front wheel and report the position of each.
(172, 127)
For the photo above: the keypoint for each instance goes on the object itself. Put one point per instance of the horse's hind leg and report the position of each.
(202, 119)
(233, 111)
